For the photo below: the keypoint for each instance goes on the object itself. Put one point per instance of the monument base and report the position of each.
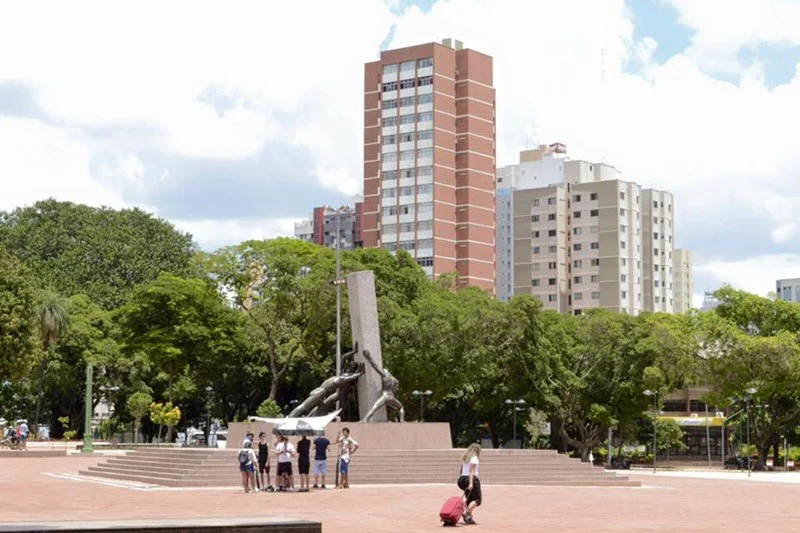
(369, 435)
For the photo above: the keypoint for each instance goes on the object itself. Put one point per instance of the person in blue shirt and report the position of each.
(320, 460)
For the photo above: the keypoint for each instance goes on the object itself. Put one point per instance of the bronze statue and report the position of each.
(334, 389)
(387, 399)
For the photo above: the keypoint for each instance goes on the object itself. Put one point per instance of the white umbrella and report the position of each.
(304, 425)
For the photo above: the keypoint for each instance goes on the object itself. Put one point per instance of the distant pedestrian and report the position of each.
(303, 462)
(469, 481)
(285, 451)
(347, 447)
(247, 465)
(263, 461)
(320, 460)
(23, 435)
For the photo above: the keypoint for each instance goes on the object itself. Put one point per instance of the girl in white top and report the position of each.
(469, 481)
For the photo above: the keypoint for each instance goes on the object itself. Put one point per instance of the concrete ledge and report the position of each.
(32, 454)
(183, 525)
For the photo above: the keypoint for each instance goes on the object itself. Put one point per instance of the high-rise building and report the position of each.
(573, 234)
(658, 229)
(682, 280)
(788, 289)
(429, 158)
(321, 227)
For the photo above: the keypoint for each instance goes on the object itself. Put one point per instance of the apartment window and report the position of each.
(389, 121)
(424, 135)
(576, 231)
(551, 201)
(389, 139)
(390, 86)
(624, 295)
(657, 299)
(535, 234)
(389, 104)
(623, 277)
(593, 196)
(595, 262)
(425, 62)
(551, 249)
(406, 210)
(425, 261)
(425, 225)
(621, 195)
(535, 282)
(424, 171)
(406, 245)
(552, 298)
(551, 216)
(655, 220)
(407, 191)
(595, 246)
(577, 279)
(623, 228)
(407, 101)
(425, 117)
(594, 212)
(389, 174)
(425, 80)
(407, 155)
(424, 244)
(595, 296)
(622, 244)
(389, 228)
(662, 204)
(576, 198)
(425, 99)
(407, 119)
(624, 262)
(536, 249)
(391, 246)
(407, 173)
(655, 251)
(594, 229)
(425, 152)
(425, 188)
(576, 214)
(534, 267)
(536, 203)
(595, 278)
(407, 84)
(390, 211)
(622, 212)
(577, 296)
(576, 247)
(551, 233)
(406, 137)
(390, 69)
(551, 281)
(535, 218)
(425, 207)
(390, 193)
(389, 158)
(655, 204)
(655, 236)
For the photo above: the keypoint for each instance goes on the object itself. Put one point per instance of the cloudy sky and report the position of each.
(234, 119)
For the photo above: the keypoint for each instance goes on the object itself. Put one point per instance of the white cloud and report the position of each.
(214, 234)
(753, 274)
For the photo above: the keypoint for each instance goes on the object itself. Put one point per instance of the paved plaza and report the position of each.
(47, 489)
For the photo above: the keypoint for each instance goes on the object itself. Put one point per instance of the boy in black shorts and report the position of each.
(263, 462)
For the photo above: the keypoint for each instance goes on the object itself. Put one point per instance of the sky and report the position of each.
(233, 120)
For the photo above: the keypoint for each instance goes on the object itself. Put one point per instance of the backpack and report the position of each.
(244, 457)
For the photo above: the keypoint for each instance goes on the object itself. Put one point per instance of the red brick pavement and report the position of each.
(664, 504)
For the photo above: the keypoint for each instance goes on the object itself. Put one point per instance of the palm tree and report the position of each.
(53, 320)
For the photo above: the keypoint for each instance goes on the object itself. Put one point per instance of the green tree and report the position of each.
(17, 318)
(100, 252)
(669, 435)
(269, 408)
(138, 405)
(53, 319)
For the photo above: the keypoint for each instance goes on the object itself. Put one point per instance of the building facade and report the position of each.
(788, 290)
(321, 227)
(429, 159)
(577, 236)
(682, 279)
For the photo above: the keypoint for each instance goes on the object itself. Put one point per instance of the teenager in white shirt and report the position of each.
(285, 451)
(469, 481)
(347, 447)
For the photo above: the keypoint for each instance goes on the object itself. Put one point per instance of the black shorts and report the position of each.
(303, 467)
(285, 468)
(263, 467)
(475, 494)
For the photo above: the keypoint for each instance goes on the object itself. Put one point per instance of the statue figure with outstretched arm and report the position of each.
(387, 399)
(331, 390)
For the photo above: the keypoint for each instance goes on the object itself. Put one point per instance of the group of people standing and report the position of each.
(17, 436)
(252, 456)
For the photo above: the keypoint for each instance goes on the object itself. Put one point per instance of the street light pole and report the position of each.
(648, 392)
(338, 297)
(515, 403)
(747, 399)
(422, 395)
(87, 428)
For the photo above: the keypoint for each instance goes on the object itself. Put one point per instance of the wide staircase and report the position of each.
(182, 467)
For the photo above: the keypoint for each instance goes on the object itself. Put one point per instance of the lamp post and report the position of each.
(515, 403)
(87, 427)
(209, 390)
(338, 282)
(747, 399)
(648, 392)
(422, 395)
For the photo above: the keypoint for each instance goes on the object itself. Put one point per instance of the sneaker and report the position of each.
(316, 487)
(323, 487)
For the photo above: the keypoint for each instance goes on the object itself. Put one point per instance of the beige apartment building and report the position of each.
(580, 241)
(429, 159)
(682, 280)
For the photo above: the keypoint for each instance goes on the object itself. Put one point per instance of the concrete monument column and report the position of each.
(366, 332)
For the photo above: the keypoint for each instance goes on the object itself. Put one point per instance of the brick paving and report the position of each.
(663, 504)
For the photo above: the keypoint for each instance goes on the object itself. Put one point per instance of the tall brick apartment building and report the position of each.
(429, 158)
